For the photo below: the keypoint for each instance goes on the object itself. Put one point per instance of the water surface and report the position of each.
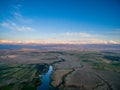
(46, 80)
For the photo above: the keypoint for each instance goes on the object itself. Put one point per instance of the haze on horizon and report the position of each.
(60, 21)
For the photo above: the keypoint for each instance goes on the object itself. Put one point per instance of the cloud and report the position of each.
(115, 31)
(6, 41)
(112, 42)
(17, 6)
(15, 27)
(81, 34)
(58, 41)
(18, 22)
(19, 17)
(17, 14)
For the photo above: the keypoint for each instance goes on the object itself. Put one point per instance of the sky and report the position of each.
(60, 21)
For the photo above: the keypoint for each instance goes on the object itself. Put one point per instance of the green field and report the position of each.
(20, 77)
(101, 61)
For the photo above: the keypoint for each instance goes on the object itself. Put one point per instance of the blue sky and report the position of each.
(60, 21)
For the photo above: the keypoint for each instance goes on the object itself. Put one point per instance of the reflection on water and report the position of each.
(46, 80)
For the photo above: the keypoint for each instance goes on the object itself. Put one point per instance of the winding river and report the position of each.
(46, 80)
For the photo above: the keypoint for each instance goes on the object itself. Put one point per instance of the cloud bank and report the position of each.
(56, 41)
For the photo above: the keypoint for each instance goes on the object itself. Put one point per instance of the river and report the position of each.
(46, 80)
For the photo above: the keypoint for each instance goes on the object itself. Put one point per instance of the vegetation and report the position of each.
(20, 77)
(105, 61)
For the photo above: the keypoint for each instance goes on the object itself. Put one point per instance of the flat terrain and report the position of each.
(73, 69)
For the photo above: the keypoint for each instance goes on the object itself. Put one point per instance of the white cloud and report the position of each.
(114, 32)
(19, 17)
(18, 21)
(81, 34)
(59, 41)
(112, 42)
(17, 7)
(15, 27)
(5, 41)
